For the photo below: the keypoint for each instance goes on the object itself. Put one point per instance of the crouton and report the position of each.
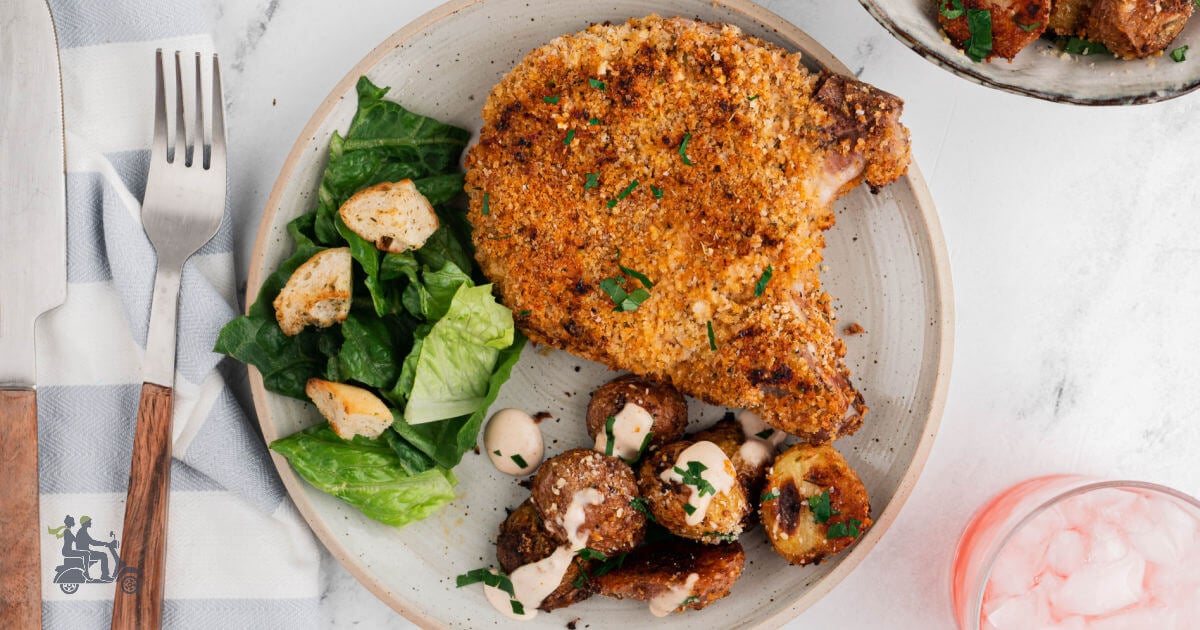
(350, 410)
(318, 292)
(394, 216)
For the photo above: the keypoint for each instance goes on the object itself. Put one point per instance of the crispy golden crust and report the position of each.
(1015, 24)
(798, 474)
(614, 526)
(655, 568)
(770, 149)
(664, 403)
(1136, 28)
(523, 541)
(726, 513)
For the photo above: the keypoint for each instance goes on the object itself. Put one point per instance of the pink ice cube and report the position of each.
(1106, 544)
(1100, 589)
(1139, 618)
(1017, 613)
(1067, 552)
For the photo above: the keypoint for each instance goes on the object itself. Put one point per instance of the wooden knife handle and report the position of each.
(139, 593)
(20, 528)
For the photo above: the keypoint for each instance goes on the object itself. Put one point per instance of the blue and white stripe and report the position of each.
(239, 556)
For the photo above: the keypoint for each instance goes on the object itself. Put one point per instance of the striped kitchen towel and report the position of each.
(239, 556)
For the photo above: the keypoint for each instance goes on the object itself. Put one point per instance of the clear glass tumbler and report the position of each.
(1069, 551)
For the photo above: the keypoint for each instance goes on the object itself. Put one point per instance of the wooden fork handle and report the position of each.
(139, 590)
(20, 527)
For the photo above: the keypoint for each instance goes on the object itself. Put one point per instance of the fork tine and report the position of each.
(158, 148)
(217, 155)
(198, 131)
(181, 146)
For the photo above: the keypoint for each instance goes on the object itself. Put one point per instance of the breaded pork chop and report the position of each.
(704, 160)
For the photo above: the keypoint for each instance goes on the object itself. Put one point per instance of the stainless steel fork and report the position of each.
(185, 197)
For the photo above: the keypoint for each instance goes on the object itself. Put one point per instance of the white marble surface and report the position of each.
(1074, 238)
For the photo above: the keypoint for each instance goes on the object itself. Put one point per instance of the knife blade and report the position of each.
(33, 280)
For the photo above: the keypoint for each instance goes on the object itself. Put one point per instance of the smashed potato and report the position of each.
(814, 505)
(613, 525)
(668, 502)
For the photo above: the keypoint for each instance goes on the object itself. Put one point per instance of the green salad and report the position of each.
(424, 333)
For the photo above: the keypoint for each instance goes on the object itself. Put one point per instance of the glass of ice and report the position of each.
(1075, 552)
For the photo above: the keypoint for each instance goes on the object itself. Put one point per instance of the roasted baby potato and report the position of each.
(663, 402)
(668, 502)
(804, 524)
(654, 569)
(728, 435)
(1015, 23)
(523, 540)
(613, 525)
(1067, 16)
(1132, 29)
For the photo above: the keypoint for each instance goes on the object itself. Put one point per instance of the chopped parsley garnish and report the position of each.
(979, 24)
(623, 194)
(769, 496)
(721, 535)
(690, 599)
(952, 9)
(764, 434)
(1080, 46)
(641, 277)
(570, 137)
(594, 121)
(689, 508)
(520, 461)
(488, 577)
(486, 210)
(683, 149)
(761, 285)
(517, 607)
(1029, 28)
(712, 338)
(849, 529)
(607, 564)
(627, 302)
(598, 84)
(694, 476)
(640, 504)
(658, 193)
(608, 435)
(755, 97)
(592, 554)
(550, 99)
(642, 448)
(525, 313)
(821, 508)
(593, 181)
(497, 452)
(1179, 54)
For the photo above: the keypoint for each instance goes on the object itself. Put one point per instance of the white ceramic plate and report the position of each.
(1038, 71)
(887, 268)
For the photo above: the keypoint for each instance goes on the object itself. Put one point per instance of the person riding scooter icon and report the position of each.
(78, 556)
(84, 543)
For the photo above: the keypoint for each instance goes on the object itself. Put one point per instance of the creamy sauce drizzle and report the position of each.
(630, 428)
(533, 582)
(718, 471)
(757, 451)
(513, 435)
(664, 603)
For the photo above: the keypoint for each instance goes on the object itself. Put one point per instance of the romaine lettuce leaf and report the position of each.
(457, 357)
(371, 475)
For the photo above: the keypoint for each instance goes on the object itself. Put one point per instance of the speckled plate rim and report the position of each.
(969, 72)
(943, 318)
